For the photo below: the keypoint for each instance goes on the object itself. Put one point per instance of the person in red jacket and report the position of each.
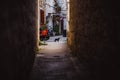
(43, 33)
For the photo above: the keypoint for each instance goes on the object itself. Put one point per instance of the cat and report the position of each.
(57, 39)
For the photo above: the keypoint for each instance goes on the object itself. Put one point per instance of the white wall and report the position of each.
(49, 9)
(63, 4)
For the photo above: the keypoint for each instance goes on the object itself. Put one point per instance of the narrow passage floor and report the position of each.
(54, 62)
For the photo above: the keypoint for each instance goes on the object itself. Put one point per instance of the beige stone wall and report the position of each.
(18, 32)
(92, 24)
(94, 33)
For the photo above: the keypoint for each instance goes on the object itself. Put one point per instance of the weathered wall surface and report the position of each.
(94, 35)
(17, 38)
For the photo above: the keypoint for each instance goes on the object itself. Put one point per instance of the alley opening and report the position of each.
(53, 21)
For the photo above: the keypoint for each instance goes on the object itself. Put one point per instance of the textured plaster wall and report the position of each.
(18, 29)
(94, 35)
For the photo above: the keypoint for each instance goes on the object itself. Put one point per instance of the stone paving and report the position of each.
(54, 62)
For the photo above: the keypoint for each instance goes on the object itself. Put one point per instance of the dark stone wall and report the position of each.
(94, 36)
(18, 30)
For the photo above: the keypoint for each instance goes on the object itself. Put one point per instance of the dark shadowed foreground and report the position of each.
(54, 62)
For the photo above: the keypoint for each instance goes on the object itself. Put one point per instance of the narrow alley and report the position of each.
(53, 62)
(90, 52)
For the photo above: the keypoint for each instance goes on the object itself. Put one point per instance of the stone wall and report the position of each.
(18, 30)
(94, 35)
